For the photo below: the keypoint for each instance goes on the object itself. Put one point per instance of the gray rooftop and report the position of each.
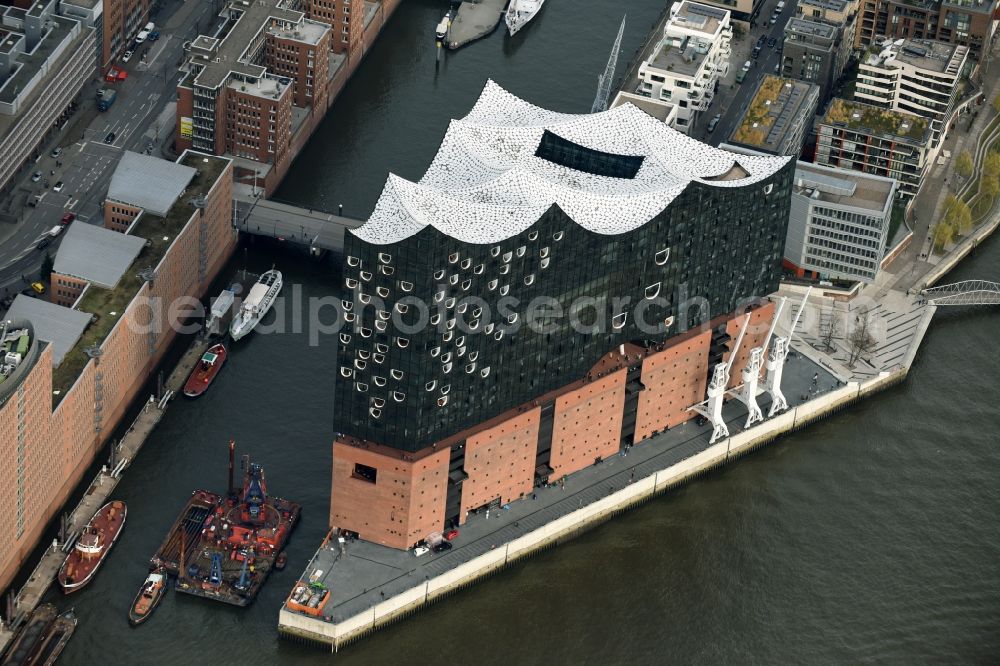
(654, 107)
(253, 19)
(925, 54)
(684, 59)
(832, 5)
(53, 323)
(96, 254)
(844, 187)
(800, 29)
(150, 183)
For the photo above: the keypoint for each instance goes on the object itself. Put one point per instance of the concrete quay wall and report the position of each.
(336, 635)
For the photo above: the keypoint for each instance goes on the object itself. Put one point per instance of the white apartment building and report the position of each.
(689, 61)
(915, 76)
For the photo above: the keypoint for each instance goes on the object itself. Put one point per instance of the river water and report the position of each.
(872, 536)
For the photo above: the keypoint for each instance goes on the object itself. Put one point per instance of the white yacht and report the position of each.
(519, 12)
(260, 299)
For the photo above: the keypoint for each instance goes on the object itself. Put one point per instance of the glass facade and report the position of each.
(441, 335)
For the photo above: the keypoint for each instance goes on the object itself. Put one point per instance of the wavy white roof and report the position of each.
(485, 183)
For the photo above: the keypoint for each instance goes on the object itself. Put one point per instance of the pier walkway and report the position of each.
(316, 228)
(97, 494)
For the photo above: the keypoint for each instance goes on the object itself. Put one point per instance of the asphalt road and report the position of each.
(87, 162)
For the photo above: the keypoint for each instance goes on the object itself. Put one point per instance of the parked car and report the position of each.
(56, 152)
(713, 122)
(42, 244)
(771, 42)
(421, 550)
(153, 35)
(110, 138)
(38, 287)
(58, 187)
(67, 218)
(760, 41)
(756, 52)
(442, 547)
(127, 56)
(450, 535)
(37, 176)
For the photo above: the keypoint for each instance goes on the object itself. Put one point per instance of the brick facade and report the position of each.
(500, 462)
(674, 379)
(588, 424)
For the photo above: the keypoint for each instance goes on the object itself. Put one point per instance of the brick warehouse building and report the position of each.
(457, 406)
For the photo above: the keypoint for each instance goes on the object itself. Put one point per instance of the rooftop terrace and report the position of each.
(681, 56)
(926, 54)
(309, 32)
(876, 121)
(773, 112)
(697, 17)
(110, 304)
(809, 29)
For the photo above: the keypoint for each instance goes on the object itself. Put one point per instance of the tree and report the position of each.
(829, 328)
(991, 166)
(957, 214)
(861, 340)
(963, 164)
(990, 187)
(47, 264)
(944, 233)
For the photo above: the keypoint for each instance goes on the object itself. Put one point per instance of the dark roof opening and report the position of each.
(558, 150)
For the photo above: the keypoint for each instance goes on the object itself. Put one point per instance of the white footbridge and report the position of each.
(969, 292)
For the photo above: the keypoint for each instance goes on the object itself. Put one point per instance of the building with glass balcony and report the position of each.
(506, 314)
(689, 61)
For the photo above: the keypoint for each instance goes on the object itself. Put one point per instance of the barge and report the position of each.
(223, 547)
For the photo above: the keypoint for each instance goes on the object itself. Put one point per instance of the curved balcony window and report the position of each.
(488, 329)
(366, 276)
(378, 402)
(498, 335)
(353, 262)
(396, 374)
(453, 279)
(618, 321)
(429, 386)
(447, 336)
(438, 297)
(485, 372)
(435, 351)
(345, 338)
(446, 357)
(406, 286)
(348, 317)
(445, 389)
(366, 332)
(478, 312)
(557, 236)
(398, 396)
(478, 270)
(383, 315)
(529, 279)
(361, 387)
(668, 322)
(533, 236)
(442, 401)
(382, 291)
(382, 348)
(451, 324)
(346, 372)
(466, 284)
(446, 368)
(351, 283)
(545, 263)
(661, 257)
(462, 307)
(376, 413)
(402, 343)
(378, 381)
(379, 358)
(450, 303)
(453, 257)
(470, 368)
(653, 290)
(507, 256)
(380, 326)
(521, 250)
(401, 308)
(544, 252)
(365, 298)
(473, 355)
(348, 305)
(386, 270)
(435, 319)
(385, 258)
(466, 264)
(504, 290)
(364, 354)
(505, 269)
(492, 284)
(495, 251)
(359, 364)
(439, 274)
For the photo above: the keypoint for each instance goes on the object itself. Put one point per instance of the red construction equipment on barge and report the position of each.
(224, 547)
(204, 373)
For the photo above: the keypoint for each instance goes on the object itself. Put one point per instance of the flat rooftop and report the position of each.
(30, 64)
(773, 112)
(109, 304)
(810, 29)
(697, 17)
(654, 107)
(680, 55)
(925, 54)
(86, 4)
(309, 32)
(876, 121)
(363, 574)
(843, 187)
(265, 86)
(253, 19)
(53, 323)
(830, 5)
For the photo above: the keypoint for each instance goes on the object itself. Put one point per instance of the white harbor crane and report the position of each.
(747, 391)
(604, 80)
(776, 363)
(712, 407)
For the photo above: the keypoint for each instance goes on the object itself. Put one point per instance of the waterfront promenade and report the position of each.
(98, 492)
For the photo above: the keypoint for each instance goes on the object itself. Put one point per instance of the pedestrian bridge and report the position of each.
(318, 229)
(969, 292)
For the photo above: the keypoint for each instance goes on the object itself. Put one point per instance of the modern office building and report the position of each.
(882, 142)
(45, 59)
(554, 288)
(839, 223)
(919, 76)
(81, 366)
(778, 118)
(969, 23)
(689, 61)
(256, 91)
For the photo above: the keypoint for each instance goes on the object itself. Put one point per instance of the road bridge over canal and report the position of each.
(318, 229)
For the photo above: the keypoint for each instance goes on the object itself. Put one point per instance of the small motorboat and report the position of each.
(281, 561)
(148, 598)
(205, 372)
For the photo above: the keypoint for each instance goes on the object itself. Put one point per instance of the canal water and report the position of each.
(872, 536)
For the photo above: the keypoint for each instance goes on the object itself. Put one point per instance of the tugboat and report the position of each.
(148, 598)
(93, 546)
(260, 299)
(206, 370)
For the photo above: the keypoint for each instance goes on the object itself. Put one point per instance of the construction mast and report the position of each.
(604, 80)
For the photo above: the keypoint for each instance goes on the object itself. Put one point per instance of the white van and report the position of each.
(777, 10)
(55, 231)
(141, 37)
(150, 27)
